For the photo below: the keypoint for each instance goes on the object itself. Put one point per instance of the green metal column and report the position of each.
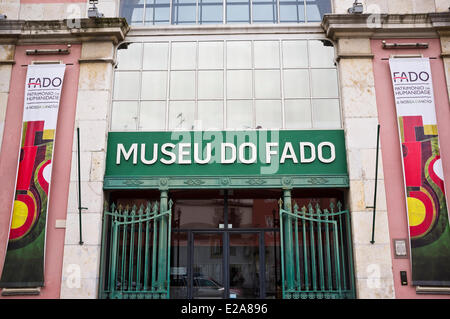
(162, 245)
(288, 242)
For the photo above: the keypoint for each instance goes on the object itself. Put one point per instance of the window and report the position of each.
(155, 12)
(226, 84)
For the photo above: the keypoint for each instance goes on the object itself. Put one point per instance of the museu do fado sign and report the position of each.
(219, 153)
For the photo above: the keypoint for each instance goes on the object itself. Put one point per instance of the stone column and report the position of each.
(81, 262)
(373, 266)
(6, 62)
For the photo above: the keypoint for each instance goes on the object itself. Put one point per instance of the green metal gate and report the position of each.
(316, 252)
(135, 256)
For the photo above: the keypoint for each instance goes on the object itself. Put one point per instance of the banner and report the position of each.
(422, 170)
(24, 260)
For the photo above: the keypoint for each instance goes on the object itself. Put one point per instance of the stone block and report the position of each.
(354, 46)
(11, 8)
(91, 197)
(356, 196)
(367, 289)
(7, 51)
(95, 76)
(401, 6)
(372, 261)
(97, 50)
(84, 257)
(85, 166)
(369, 192)
(87, 289)
(92, 105)
(91, 228)
(93, 135)
(97, 167)
(359, 101)
(424, 6)
(5, 77)
(354, 164)
(361, 132)
(368, 162)
(362, 223)
(356, 73)
(442, 5)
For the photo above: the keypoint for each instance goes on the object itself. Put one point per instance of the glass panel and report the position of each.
(324, 83)
(126, 85)
(152, 116)
(321, 56)
(210, 55)
(264, 12)
(184, 14)
(183, 55)
(295, 54)
(124, 115)
(238, 12)
(155, 56)
(292, 12)
(296, 83)
(315, 9)
(181, 115)
(133, 12)
(268, 114)
(210, 115)
(244, 266)
(239, 54)
(326, 113)
(297, 114)
(248, 212)
(211, 13)
(182, 85)
(267, 54)
(210, 84)
(208, 266)
(154, 85)
(239, 84)
(239, 114)
(198, 213)
(179, 266)
(130, 58)
(273, 263)
(267, 84)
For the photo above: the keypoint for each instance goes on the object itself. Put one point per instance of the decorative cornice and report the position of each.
(63, 31)
(424, 25)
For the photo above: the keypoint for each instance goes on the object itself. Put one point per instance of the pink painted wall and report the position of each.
(9, 153)
(390, 145)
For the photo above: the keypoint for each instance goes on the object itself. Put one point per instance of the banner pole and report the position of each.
(79, 187)
(375, 190)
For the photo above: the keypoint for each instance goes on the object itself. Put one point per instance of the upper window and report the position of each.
(226, 84)
(155, 12)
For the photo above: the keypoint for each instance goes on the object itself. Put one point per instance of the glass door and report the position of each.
(207, 277)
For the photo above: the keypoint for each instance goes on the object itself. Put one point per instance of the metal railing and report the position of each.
(136, 252)
(316, 253)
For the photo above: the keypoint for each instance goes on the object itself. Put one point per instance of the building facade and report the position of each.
(231, 149)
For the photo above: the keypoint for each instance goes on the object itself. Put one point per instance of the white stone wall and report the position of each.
(394, 7)
(373, 266)
(81, 262)
(6, 58)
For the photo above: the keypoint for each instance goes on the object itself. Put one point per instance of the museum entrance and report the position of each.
(225, 244)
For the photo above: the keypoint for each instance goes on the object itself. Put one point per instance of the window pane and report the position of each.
(267, 84)
(210, 84)
(239, 114)
(124, 115)
(210, 55)
(133, 12)
(239, 84)
(316, 9)
(268, 114)
(324, 83)
(264, 12)
(239, 54)
(155, 56)
(326, 113)
(183, 55)
(130, 58)
(211, 13)
(154, 85)
(157, 11)
(296, 83)
(210, 115)
(126, 85)
(321, 56)
(182, 85)
(267, 54)
(295, 54)
(297, 114)
(184, 14)
(292, 12)
(238, 12)
(152, 115)
(181, 115)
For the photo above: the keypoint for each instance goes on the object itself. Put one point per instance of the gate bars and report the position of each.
(136, 263)
(316, 253)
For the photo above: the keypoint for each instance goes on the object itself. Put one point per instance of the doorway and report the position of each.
(231, 251)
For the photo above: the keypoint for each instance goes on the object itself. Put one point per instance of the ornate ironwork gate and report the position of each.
(316, 252)
(135, 256)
